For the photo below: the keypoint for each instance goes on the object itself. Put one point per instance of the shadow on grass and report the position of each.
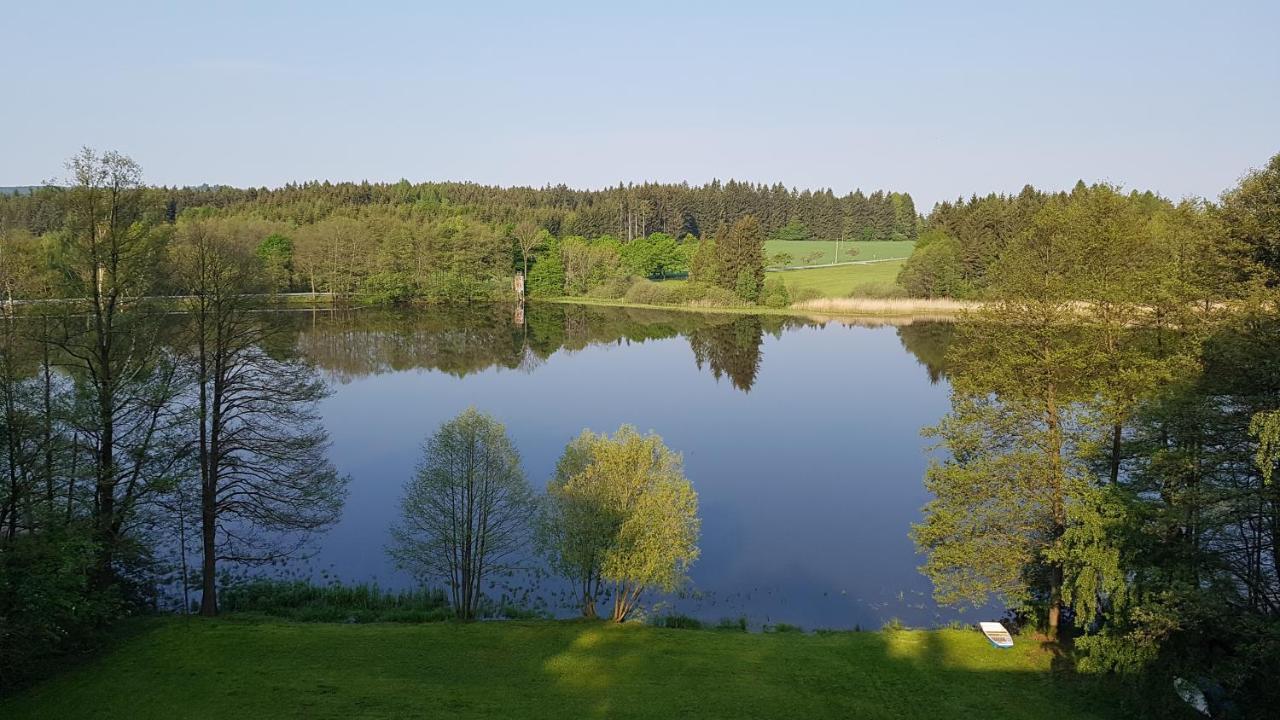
(548, 669)
(608, 672)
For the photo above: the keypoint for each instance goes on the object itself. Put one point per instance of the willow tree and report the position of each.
(265, 483)
(621, 514)
(465, 514)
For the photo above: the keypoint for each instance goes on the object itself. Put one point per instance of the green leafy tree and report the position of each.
(775, 294)
(465, 514)
(794, 230)
(705, 263)
(740, 252)
(265, 483)
(1252, 215)
(112, 245)
(934, 269)
(276, 253)
(546, 278)
(620, 513)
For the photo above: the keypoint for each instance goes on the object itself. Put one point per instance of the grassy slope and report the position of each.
(869, 250)
(237, 668)
(840, 280)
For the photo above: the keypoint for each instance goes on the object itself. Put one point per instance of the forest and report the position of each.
(402, 242)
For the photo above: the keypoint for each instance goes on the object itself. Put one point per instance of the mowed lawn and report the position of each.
(866, 250)
(237, 668)
(840, 280)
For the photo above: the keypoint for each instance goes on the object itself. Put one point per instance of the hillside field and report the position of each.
(869, 250)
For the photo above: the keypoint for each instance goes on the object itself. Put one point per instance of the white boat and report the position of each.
(997, 634)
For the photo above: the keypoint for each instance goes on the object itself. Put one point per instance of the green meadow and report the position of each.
(842, 280)
(248, 668)
(825, 250)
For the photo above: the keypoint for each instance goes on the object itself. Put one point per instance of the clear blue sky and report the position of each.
(939, 99)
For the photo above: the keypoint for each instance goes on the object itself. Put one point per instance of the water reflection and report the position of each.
(801, 436)
(465, 339)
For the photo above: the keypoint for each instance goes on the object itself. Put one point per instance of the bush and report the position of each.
(884, 290)
(647, 292)
(454, 287)
(934, 270)
(805, 294)
(785, 628)
(613, 288)
(678, 622)
(304, 602)
(775, 293)
(704, 295)
(546, 277)
(747, 286)
(738, 624)
(388, 288)
(48, 608)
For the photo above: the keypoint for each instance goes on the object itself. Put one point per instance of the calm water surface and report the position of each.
(802, 439)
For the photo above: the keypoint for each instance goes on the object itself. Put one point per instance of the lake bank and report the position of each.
(904, 310)
(239, 667)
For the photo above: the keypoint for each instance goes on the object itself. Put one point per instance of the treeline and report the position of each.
(349, 237)
(389, 243)
(961, 251)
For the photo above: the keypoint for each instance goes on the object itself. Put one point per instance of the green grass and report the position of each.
(236, 668)
(867, 250)
(841, 280)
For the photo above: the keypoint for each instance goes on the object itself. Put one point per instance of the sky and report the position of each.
(937, 99)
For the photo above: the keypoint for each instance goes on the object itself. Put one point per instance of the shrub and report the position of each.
(613, 288)
(934, 270)
(893, 624)
(775, 293)
(447, 286)
(885, 290)
(704, 295)
(647, 292)
(678, 622)
(805, 294)
(302, 601)
(785, 628)
(388, 288)
(48, 608)
(546, 277)
(747, 286)
(738, 624)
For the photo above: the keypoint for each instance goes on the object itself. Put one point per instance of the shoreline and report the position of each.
(902, 310)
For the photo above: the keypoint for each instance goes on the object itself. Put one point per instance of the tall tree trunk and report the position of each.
(48, 417)
(209, 562)
(1116, 437)
(1053, 422)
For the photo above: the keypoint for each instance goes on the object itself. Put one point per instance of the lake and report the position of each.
(802, 438)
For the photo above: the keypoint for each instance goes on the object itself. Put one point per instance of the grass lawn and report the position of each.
(840, 280)
(241, 668)
(867, 250)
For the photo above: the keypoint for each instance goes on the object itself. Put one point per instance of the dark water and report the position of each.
(801, 438)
